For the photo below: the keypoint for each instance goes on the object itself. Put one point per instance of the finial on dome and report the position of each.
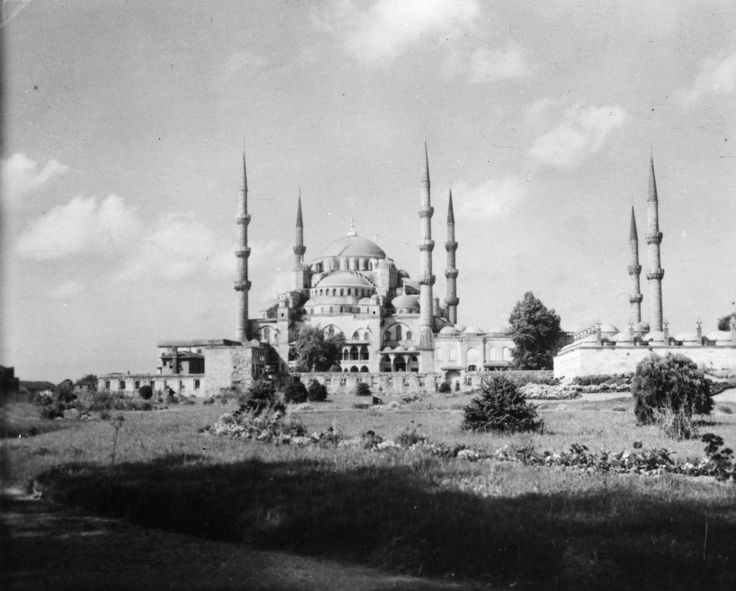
(352, 231)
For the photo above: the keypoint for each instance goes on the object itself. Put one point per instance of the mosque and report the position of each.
(398, 335)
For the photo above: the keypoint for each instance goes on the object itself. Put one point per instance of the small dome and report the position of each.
(448, 330)
(386, 349)
(591, 338)
(609, 329)
(460, 327)
(400, 349)
(343, 279)
(473, 330)
(353, 245)
(406, 301)
(687, 337)
(655, 336)
(621, 337)
(641, 327)
(719, 335)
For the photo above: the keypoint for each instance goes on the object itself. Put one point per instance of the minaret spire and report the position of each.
(300, 269)
(426, 279)
(242, 285)
(654, 239)
(451, 273)
(634, 269)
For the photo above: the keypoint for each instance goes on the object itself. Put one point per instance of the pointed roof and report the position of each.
(633, 236)
(245, 176)
(652, 181)
(425, 178)
(450, 210)
(299, 221)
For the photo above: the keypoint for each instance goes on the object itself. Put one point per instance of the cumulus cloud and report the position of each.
(381, 31)
(493, 198)
(488, 65)
(715, 76)
(84, 225)
(583, 131)
(22, 175)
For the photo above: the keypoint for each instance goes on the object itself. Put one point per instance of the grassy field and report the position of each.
(404, 510)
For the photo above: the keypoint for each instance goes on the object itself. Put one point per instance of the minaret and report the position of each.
(654, 239)
(635, 296)
(451, 273)
(299, 248)
(242, 285)
(426, 279)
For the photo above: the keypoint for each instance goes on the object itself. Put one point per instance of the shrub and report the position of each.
(444, 388)
(145, 392)
(295, 392)
(260, 397)
(316, 392)
(500, 407)
(672, 383)
(362, 389)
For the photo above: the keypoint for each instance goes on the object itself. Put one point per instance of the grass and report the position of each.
(406, 510)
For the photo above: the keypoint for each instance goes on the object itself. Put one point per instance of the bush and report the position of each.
(444, 388)
(145, 392)
(316, 392)
(362, 389)
(673, 385)
(260, 397)
(500, 407)
(295, 392)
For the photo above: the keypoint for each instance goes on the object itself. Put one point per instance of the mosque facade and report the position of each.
(394, 326)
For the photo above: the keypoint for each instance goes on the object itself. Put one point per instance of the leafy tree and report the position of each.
(500, 407)
(314, 352)
(671, 384)
(65, 391)
(362, 389)
(316, 392)
(536, 333)
(724, 323)
(89, 381)
(295, 392)
(145, 392)
(261, 397)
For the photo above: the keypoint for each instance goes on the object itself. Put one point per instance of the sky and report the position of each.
(125, 123)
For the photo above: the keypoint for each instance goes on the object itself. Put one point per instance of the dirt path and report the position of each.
(47, 546)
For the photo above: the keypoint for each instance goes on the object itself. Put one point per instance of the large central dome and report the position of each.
(353, 245)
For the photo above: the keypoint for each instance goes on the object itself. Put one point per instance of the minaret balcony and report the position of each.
(655, 275)
(634, 269)
(452, 301)
(426, 245)
(451, 273)
(243, 219)
(426, 212)
(242, 285)
(299, 250)
(426, 280)
(636, 298)
(243, 253)
(450, 245)
(654, 238)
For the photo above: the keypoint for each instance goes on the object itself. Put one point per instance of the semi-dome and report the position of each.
(343, 279)
(353, 245)
(405, 301)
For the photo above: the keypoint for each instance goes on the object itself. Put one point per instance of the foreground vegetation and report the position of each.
(405, 508)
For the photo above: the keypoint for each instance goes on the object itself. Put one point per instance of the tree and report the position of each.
(724, 323)
(295, 392)
(89, 381)
(671, 384)
(536, 333)
(314, 352)
(316, 392)
(500, 407)
(362, 389)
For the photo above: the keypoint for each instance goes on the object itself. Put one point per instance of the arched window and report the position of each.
(398, 332)
(408, 335)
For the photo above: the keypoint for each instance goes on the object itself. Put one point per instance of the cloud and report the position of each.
(22, 175)
(715, 76)
(244, 60)
(82, 226)
(488, 65)
(583, 131)
(388, 27)
(494, 198)
(67, 290)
